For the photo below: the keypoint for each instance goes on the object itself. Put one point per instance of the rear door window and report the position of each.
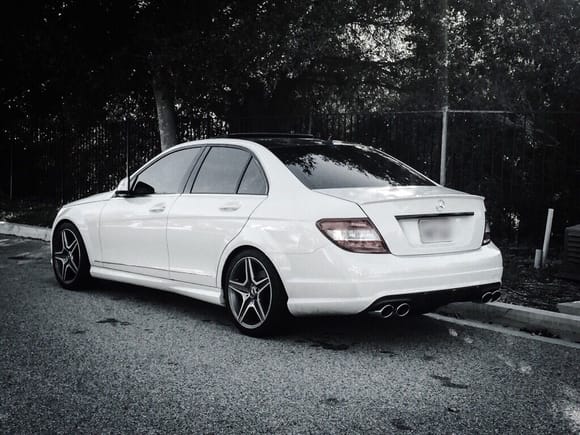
(221, 171)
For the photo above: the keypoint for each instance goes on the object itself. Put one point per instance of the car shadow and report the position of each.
(327, 332)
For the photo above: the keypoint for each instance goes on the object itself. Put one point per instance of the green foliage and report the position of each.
(507, 55)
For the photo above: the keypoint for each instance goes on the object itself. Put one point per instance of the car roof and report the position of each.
(279, 140)
(267, 135)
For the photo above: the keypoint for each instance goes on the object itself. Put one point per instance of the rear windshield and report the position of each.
(341, 166)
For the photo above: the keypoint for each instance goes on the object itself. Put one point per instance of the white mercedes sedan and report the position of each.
(276, 225)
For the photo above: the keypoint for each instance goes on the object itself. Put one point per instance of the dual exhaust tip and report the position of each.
(387, 310)
(402, 309)
(490, 296)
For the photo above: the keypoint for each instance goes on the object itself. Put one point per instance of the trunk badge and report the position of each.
(440, 205)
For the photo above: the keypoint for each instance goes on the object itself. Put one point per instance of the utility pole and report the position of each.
(443, 164)
(126, 119)
(444, 87)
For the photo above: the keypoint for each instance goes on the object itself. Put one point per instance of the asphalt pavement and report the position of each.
(123, 359)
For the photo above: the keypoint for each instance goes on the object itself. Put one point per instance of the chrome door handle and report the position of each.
(232, 206)
(157, 208)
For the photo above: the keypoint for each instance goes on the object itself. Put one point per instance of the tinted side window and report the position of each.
(221, 171)
(342, 166)
(253, 182)
(167, 174)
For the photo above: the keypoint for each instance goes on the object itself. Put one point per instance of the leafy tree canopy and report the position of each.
(88, 60)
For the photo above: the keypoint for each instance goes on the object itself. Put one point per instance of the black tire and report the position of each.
(70, 262)
(273, 305)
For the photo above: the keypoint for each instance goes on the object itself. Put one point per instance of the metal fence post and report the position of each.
(62, 157)
(11, 170)
(443, 163)
(127, 157)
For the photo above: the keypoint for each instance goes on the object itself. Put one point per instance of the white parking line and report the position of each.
(503, 330)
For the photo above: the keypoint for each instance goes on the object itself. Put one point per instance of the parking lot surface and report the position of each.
(123, 359)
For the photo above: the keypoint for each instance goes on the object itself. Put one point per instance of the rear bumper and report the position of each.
(428, 301)
(333, 281)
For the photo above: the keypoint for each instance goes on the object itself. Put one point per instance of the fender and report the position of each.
(86, 217)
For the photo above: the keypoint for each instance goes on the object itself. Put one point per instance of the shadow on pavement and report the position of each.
(320, 331)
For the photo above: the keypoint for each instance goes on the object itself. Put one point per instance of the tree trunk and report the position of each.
(165, 102)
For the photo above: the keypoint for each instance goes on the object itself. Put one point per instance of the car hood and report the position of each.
(369, 195)
(93, 198)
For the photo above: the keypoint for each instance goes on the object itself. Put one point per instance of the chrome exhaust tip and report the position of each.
(387, 311)
(376, 313)
(403, 309)
(486, 297)
(495, 295)
(383, 311)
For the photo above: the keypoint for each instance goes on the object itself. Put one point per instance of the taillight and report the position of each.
(486, 233)
(355, 235)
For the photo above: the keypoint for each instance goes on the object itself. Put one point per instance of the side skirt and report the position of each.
(203, 293)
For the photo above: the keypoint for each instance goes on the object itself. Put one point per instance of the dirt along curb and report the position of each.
(27, 231)
(532, 320)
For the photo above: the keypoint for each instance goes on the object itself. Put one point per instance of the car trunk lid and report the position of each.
(416, 220)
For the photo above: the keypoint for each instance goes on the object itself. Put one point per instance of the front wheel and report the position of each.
(69, 257)
(255, 296)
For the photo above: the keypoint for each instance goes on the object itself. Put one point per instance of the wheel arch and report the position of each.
(59, 222)
(84, 224)
(229, 257)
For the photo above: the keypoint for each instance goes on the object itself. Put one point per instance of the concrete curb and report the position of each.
(532, 320)
(572, 308)
(27, 231)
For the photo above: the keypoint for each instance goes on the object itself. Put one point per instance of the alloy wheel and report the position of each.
(250, 292)
(67, 256)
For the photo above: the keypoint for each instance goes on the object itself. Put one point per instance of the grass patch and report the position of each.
(29, 211)
(536, 288)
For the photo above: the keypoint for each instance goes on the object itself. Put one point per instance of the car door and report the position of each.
(133, 228)
(228, 186)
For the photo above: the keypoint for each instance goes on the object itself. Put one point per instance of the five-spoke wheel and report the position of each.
(249, 292)
(254, 294)
(69, 258)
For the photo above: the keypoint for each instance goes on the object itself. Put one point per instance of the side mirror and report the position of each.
(142, 189)
(139, 189)
(123, 193)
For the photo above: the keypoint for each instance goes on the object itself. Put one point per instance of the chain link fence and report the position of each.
(522, 163)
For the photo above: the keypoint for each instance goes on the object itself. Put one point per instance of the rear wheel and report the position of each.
(69, 257)
(255, 296)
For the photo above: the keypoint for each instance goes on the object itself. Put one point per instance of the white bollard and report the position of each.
(547, 236)
(538, 259)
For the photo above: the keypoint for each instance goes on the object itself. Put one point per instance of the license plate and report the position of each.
(435, 230)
